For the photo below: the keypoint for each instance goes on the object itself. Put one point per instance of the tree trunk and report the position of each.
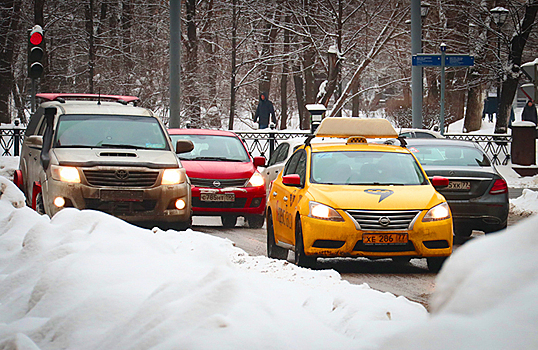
(126, 24)
(473, 113)
(284, 81)
(234, 65)
(191, 67)
(267, 51)
(298, 82)
(8, 9)
(91, 48)
(509, 86)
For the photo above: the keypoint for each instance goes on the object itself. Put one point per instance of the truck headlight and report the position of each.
(324, 212)
(172, 177)
(256, 180)
(439, 212)
(65, 173)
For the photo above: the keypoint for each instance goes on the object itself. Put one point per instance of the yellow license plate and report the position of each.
(384, 238)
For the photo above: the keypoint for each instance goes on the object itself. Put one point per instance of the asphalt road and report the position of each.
(412, 280)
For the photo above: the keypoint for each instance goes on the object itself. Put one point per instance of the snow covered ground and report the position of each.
(87, 280)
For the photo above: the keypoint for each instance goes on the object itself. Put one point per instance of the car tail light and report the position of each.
(499, 187)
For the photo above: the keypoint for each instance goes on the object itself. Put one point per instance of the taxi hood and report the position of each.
(218, 169)
(115, 157)
(374, 197)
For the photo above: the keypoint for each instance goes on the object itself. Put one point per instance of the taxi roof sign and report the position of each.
(347, 127)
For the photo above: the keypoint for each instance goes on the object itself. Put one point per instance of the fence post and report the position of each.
(272, 136)
(16, 139)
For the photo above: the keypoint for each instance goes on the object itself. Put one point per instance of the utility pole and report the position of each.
(416, 72)
(175, 62)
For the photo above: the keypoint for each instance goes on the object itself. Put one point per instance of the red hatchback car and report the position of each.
(223, 175)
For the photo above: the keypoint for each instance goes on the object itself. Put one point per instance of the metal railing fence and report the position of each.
(263, 142)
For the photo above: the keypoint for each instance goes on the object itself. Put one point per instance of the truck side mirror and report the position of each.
(50, 112)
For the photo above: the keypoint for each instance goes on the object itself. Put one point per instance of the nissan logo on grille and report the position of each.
(121, 174)
(384, 221)
(216, 183)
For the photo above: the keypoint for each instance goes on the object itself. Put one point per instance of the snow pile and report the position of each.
(10, 193)
(8, 165)
(485, 296)
(526, 204)
(87, 280)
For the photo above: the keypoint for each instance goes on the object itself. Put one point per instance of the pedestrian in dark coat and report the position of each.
(529, 113)
(264, 112)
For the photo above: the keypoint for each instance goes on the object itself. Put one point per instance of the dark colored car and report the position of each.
(477, 194)
(224, 177)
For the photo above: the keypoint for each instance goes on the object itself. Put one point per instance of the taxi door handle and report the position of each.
(285, 198)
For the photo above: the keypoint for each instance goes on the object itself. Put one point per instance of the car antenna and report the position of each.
(308, 139)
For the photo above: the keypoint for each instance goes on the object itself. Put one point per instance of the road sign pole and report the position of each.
(416, 71)
(442, 112)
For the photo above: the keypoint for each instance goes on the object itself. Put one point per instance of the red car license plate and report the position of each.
(217, 197)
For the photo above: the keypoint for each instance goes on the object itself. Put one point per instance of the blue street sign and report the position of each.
(451, 60)
(459, 60)
(423, 60)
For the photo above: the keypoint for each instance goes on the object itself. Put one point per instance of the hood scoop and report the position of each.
(117, 154)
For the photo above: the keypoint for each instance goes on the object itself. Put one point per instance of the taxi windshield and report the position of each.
(365, 168)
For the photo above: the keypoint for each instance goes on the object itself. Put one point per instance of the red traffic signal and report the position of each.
(35, 52)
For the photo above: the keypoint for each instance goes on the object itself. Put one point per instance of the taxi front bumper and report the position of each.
(325, 238)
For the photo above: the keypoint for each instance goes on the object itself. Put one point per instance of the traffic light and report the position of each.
(35, 52)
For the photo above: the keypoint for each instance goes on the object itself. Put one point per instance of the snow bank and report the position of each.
(8, 165)
(87, 280)
(526, 204)
(485, 296)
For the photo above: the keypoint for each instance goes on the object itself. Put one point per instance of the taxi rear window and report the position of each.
(365, 168)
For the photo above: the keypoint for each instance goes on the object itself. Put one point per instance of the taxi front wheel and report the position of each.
(301, 259)
(435, 263)
(274, 251)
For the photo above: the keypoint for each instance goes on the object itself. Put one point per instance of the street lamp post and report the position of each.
(499, 14)
(418, 11)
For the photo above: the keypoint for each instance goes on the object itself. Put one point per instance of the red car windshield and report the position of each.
(214, 148)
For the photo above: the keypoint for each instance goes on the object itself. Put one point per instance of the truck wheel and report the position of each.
(39, 204)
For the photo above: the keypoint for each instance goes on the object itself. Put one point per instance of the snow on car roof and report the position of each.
(347, 127)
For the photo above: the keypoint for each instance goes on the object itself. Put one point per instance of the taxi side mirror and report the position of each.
(291, 180)
(184, 146)
(259, 161)
(439, 181)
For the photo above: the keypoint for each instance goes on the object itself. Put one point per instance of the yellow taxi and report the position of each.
(351, 198)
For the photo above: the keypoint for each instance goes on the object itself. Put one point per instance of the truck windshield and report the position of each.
(110, 131)
(366, 168)
(214, 148)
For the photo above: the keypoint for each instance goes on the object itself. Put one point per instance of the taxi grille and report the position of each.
(222, 183)
(129, 178)
(384, 219)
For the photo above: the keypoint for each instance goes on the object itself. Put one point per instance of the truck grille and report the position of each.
(121, 178)
(384, 219)
(218, 183)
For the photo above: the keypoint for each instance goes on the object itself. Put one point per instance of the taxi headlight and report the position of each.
(256, 180)
(172, 177)
(65, 173)
(324, 212)
(439, 212)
